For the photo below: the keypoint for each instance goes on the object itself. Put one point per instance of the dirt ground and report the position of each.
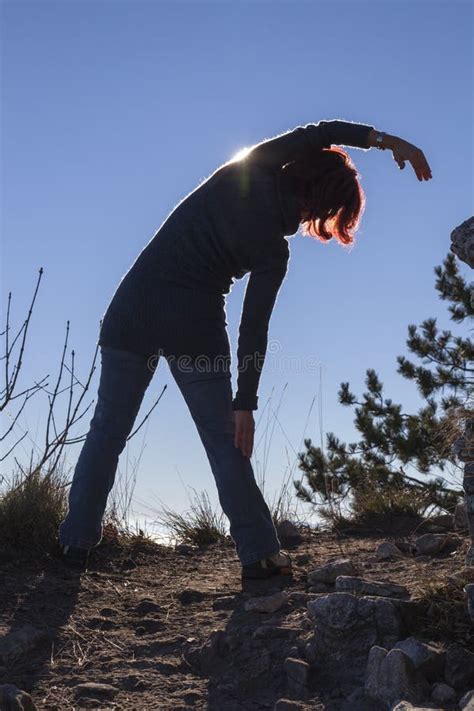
(136, 617)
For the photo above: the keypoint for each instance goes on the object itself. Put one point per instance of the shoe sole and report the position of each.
(265, 573)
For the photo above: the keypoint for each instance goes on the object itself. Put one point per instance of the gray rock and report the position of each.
(207, 656)
(224, 603)
(14, 699)
(302, 558)
(460, 517)
(441, 523)
(469, 590)
(391, 676)
(18, 643)
(429, 659)
(356, 694)
(467, 701)
(189, 595)
(432, 543)
(387, 550)
(459, 669)
(145, 607)
(330, 571)
(299, 598)
(268, 603)
(288, 532)
(320, 588)
(407, 706)
(443, 694)
(347, 626)
(273, 632)
(462, 241)
(92, 688)
(297, 670)
(348, 583)
(288, 705)
(309, 653)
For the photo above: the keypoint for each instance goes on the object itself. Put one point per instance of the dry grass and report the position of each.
(200, 525)
(31, 509)
(442, 609)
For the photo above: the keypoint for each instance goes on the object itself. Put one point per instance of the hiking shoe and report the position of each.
(278, 564)
(74, 557)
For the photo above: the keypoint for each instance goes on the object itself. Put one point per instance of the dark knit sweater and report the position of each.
(234, 223)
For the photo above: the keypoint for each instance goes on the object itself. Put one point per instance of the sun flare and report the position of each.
(240, 155)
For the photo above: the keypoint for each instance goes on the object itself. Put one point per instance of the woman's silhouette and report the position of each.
(171, 304)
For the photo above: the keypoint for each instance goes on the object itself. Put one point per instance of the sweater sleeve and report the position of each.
(295, 144)
(260, 296)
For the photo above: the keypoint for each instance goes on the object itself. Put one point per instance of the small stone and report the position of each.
(302, 558)
(348, 583)
(288, 705)
(433, 543)
(330, 571)
(92, 688)
(407, 706)
(299, 598)
(224, 603)
(469, 590)
(190, 595)
(18, 643)
(297, 670)
(13, 698)
(467, 701)
(145, 607)
(387, 550)
(459, 669)
(268, 603)
(427, 658)
(149, 626)
(443, 694)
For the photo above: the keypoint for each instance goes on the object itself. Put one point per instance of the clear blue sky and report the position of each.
(113, 111)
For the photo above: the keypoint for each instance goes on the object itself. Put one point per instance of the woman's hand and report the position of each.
(404, 151)
(244, 431)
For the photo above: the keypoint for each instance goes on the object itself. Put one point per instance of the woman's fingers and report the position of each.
(244, 441)
(244, 432)
(404, 151)
(418, 162)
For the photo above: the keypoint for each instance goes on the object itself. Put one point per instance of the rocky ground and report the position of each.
(149, 627)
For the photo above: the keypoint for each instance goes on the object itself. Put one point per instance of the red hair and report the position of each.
(331, 197)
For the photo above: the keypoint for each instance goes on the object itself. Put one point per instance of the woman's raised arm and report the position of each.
(302, 140)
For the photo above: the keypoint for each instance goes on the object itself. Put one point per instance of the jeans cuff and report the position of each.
(256, 557)
(77, 543)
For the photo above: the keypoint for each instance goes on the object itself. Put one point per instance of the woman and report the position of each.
(171, 304)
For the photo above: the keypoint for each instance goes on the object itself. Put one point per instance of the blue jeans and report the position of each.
(124, 379)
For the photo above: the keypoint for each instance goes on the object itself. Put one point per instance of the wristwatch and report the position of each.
(378, 141)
